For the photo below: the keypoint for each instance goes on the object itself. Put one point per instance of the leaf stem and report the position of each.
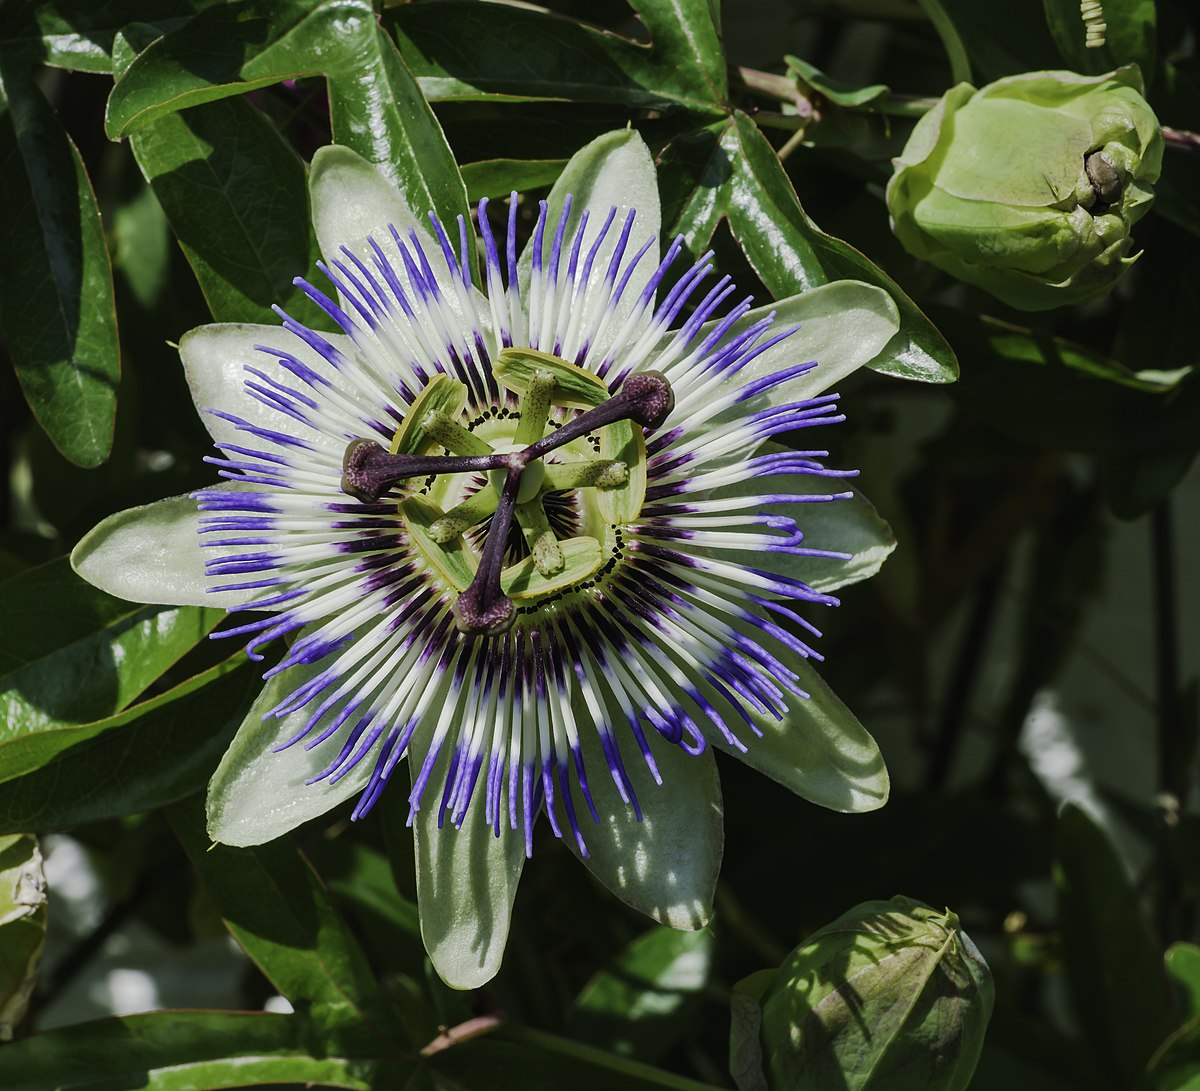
(1172, 746)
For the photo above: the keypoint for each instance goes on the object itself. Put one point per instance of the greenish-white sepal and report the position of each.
(259, 793)
(850, 525)
(153, 554)
(613, 171)
(666, 865)
(466, 882)
(843, 325)
(352, 201)
(215, 358)
(819, 750)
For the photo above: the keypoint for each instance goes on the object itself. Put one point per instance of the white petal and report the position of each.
(258, 794)
(466, 882)
(214, 361)
(351, 200)
(666, 865)
(819, 749)
(153, 554)
(613, 171)
(848, 526)
(843, 325)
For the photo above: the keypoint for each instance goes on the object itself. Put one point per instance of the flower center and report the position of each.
(516, 479)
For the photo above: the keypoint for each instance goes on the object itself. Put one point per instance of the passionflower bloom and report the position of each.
(534, 542)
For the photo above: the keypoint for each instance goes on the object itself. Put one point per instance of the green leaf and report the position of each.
(1129, 35)
(236, 197)
(276, 908)
(184, 1050)
(496, 178)
(745, 1031)
(517, 1058)
(1116, 973)
(848, 95)
(641, 1004)
(465, 50)
(77, 36)
(729, 171)
(22, 926)
(1183, 964)
(56, 298)
(74, 657)
(375, 104)
(687, 39)
(1021, 383)
(140, 765)
(1002, 39)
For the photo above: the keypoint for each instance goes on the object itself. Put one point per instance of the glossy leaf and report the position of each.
(496, 178)
(639, 1004)
(464, 50)
(729, 171)
(375, 104)
(184, 1050)
(78, 36)
(56, 301)
(22, 926)
(277, 909)
(1114, 967)
(145, 763)
(73, 658)
(237, 200)
(1002, 39)
(1019, 382)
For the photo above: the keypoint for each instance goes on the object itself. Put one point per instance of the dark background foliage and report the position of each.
(1032, 642)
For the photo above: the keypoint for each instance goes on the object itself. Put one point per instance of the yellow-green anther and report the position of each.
(605, 473)
(453, 436)
(535, 408)
(574, 387)
(463, 516)
(543, 544)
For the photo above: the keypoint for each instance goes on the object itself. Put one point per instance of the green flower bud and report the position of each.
(892, 996)
(1028, 188)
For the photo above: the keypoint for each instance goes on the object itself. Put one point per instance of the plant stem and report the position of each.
(964, 677)
(1172, 748)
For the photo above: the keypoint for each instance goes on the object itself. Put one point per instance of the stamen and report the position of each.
(368, 471)
(607, 473)
(543, 545)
